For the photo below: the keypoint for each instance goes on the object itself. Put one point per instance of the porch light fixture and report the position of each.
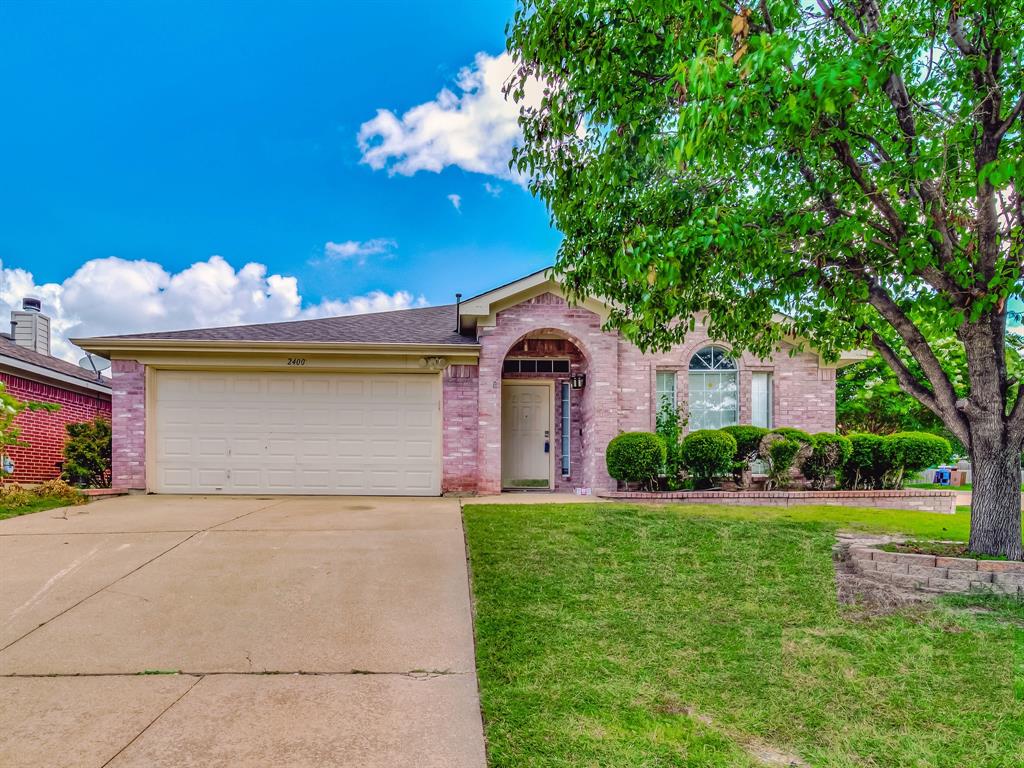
(578, 380)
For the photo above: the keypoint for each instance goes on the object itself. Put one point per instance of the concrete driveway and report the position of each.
(228, 631)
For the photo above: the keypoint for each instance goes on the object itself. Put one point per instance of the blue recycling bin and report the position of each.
(942, 476)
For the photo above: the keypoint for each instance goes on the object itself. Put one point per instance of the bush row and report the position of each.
(858, 461)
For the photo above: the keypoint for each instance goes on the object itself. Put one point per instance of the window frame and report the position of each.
(660, 395)
(719, 366)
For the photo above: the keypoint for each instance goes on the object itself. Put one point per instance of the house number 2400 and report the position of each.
(296, 361)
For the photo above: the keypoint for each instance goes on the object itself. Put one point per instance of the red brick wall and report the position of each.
(44, 430)
(129, 424)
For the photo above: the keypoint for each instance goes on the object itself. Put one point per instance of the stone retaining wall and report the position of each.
(929, 573)
(917, 500)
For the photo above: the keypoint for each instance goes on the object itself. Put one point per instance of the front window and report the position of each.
(666, 387)
(713, 389)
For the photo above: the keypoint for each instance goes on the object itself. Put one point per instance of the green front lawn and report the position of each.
(35, 505)
(616, 635)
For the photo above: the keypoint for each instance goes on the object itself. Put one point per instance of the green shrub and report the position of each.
(635, 457)
(670, 423)
(748, 442)
(780, 461)
(828, 456)
(87, 454)
(793, 433)
(867, 466)
(910, 452)
(708, 454)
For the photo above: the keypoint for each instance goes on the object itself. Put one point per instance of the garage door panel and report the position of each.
(297, 433)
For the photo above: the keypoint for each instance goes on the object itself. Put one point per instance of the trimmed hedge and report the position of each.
(708, 454)
(635, 457)
(828, 456)
(748, 443)
(911, 452)
(866, 467)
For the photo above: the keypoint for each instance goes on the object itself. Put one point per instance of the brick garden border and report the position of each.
(916, 500)
(932, 573)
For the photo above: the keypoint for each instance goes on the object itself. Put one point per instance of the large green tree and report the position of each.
(846, 173)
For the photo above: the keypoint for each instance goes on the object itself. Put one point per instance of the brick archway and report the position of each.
(549, 314)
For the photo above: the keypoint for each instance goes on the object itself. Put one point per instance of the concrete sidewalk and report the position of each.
(212, 631)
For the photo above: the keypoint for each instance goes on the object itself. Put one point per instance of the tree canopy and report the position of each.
(843, 173)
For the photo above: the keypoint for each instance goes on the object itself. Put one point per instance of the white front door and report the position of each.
(526, 436)
(291, 432)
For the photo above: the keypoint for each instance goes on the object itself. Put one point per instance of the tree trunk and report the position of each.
(996, 499)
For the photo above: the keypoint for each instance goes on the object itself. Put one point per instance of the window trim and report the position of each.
(565, 394)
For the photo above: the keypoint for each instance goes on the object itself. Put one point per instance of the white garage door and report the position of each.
(297, 433)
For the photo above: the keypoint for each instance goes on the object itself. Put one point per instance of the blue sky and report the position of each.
(170, 132)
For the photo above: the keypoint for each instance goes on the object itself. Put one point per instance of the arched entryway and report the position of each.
(543, 407)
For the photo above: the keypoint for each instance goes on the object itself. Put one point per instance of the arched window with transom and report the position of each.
(713, 389)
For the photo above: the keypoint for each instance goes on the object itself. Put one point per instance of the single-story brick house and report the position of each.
(31, 373)
(514, 388)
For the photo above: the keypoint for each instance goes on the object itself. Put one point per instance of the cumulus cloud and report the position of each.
(358, 251)
(472, 127)
(456, 201)
(115, 296)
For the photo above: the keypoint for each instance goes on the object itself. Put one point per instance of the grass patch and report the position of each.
(938, 487)
(35, 505)
(940, 548)
(628, 636)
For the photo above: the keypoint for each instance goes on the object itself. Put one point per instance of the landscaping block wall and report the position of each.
(941, 502)
(44, 431)
(930, 573)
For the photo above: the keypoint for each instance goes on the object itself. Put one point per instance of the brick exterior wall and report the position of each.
(44, 431)
(129, 425)
(619, 396)
(460, 389)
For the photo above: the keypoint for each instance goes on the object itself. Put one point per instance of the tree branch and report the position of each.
(943, 393)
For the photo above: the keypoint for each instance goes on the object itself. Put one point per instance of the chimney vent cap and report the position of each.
(31, 304)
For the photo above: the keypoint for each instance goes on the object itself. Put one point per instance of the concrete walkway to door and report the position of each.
(238, 631)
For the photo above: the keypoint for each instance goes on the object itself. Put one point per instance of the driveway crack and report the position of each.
(134, 570)
(151, 722)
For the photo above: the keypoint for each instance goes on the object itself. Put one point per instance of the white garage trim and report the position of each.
(294, 432)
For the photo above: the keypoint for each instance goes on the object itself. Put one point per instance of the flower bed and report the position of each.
(914, 499)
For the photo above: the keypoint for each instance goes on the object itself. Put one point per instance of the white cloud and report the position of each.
(115, 296)
(494, 190)
(456, 201)
(473, 128)
(358, 251)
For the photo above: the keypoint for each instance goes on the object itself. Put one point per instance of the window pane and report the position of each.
(666, 388)
(561, 366)
(527, 366)
(713, 399)
(511, 366)
(543, 366)
(761, 399)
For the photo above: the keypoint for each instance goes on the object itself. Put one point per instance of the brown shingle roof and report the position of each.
(424, 325)
(8, 349)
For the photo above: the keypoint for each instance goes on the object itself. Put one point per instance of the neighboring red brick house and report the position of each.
(30, 373)
(514, 388)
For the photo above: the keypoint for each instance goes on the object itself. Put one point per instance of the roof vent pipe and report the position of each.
(458, 317)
